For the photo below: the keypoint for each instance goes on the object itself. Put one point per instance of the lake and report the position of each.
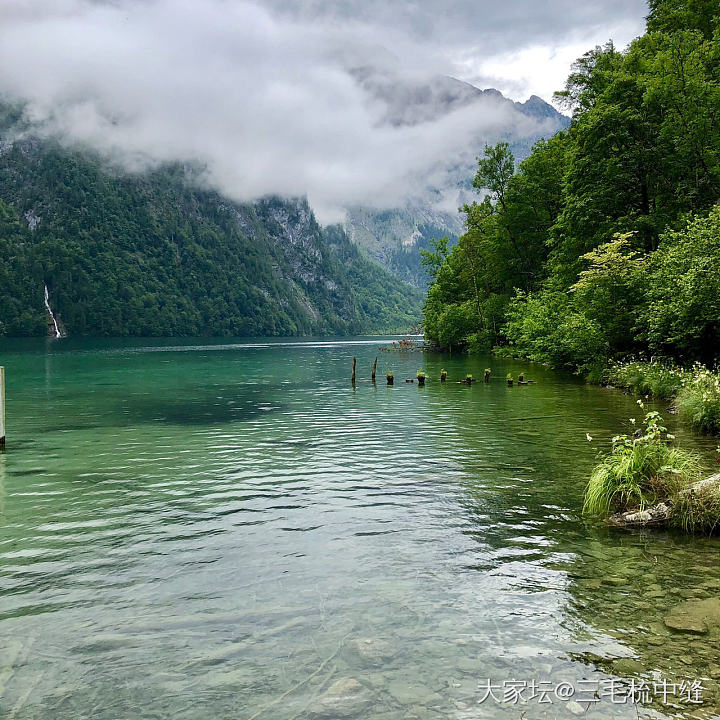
(228, 529)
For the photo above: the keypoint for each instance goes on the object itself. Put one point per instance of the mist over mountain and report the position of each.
(265, 102)
(253, 100)
(395, 236)
(155, 253)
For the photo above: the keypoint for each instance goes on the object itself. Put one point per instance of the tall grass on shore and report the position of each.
(695, 392)
(698, 402)
(660, 380)
(640, 470)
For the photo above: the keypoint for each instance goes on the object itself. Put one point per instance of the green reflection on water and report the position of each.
(195, 528)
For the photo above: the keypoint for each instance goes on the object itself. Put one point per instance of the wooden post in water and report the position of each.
(2, 408)
(374, 368)
(353, 374)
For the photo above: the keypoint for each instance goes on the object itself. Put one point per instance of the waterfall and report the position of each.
(52, 315)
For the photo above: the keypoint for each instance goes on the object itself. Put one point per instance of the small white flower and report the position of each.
(589, 437)
(632, 420)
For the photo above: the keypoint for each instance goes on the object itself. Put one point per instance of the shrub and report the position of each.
(546, 327)
(699, 400)
(682, 315)
(697, 510)
(661, 380)
(640, 470)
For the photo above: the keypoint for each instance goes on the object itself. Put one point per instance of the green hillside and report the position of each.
(154, 254)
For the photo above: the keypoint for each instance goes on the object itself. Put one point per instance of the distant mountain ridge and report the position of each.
(394, 237)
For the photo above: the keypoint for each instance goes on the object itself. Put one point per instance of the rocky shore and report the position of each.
(661, 514)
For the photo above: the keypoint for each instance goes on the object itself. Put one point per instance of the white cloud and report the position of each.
(537, 69)
(263, 96)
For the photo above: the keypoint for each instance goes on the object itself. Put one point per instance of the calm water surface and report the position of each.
(227, 529)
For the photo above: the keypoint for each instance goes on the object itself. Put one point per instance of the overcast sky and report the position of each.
(265, 94)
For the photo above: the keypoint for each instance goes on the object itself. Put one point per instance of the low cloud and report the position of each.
(268, 98)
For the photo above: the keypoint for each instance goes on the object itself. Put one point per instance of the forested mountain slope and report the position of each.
(153, 254)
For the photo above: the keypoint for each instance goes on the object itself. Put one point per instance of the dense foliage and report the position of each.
(695, 391)
(153, 254)
(605, 241)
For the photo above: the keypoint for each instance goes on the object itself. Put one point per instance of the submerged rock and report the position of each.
(575, 707)
(627, 666)
(695, 616)
(615, 581)
(687, 623)
(372, 651)
(346, 697)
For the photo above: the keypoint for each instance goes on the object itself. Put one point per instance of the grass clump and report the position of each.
(661, 380)
(697, 510)
(695, 392)
(698, 403)
(640, 470)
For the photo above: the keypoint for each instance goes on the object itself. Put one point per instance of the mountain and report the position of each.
(394, 237)
(155, 254)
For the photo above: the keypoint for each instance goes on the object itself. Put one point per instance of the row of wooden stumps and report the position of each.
(2, 409)
(390, 377)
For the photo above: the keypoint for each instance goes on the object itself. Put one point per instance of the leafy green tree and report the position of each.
(683, 313)
(582, 254)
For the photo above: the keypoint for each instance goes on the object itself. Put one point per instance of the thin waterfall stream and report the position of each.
(52, 314)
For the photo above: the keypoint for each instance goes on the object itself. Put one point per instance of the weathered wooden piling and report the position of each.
(487, 375)
(374, 368)
(421, 378)
(353, 372)
(390, 378)
(2, 408)
(443, 375)
(521, 378)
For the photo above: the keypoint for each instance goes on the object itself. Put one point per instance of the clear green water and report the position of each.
(199, 529)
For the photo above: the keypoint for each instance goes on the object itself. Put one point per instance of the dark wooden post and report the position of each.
(374, 368)
(353, 373)
(2, 408)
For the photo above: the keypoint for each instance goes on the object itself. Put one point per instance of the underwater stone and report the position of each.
(346, 697)
(575, 707)
(372, 650)
(628, 666)
(615, 580)
(687, 623)
(695, 616)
